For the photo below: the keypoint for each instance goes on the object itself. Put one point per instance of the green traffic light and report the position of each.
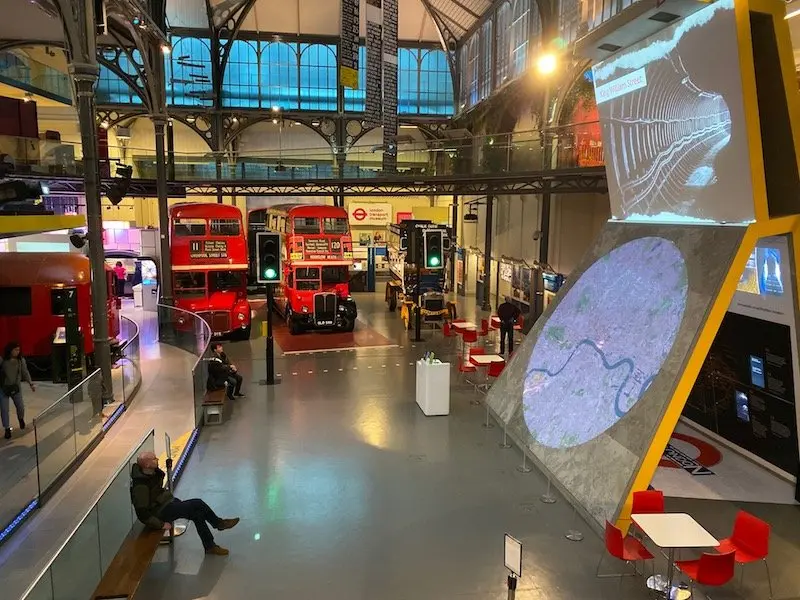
(270, 273)
(434, 261)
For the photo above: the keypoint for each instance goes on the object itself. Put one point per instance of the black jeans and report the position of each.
(506, 329)
(198, 512)
(234, 383)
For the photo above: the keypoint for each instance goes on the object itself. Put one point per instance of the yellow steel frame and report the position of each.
(763, 227)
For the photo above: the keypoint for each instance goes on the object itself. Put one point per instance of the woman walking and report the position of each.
(13, 371)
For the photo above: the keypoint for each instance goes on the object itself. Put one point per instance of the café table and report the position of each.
(672, 531)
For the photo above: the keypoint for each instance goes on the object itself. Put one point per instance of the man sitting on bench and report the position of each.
(223, 374)
(157, 508)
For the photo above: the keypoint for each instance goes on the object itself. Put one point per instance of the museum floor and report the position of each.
(346, 491)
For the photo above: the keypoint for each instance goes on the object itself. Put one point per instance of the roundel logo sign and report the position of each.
(359, 214)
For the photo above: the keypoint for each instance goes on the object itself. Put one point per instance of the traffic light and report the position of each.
(268, 257)
(433, 249)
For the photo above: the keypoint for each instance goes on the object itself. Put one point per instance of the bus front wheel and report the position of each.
(294, 326)
(243, 334)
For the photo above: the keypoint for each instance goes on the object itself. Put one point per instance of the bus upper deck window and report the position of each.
(189, 227)
(228, 227)
(335, 225)
(306, 225)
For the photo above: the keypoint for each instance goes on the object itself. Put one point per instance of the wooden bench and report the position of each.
(126, 571)
(214, 407)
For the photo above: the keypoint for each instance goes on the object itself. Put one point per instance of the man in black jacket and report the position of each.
(157, 508)
(223, 374)
(508, 314)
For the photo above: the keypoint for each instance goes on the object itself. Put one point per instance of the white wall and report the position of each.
(575, 222)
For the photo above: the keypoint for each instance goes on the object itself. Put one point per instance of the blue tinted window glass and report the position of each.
(318, 77)
(240, 84)
(354, 100)
(279, 75)
(111, 88)
(189, 72)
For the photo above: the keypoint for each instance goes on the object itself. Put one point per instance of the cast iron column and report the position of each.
(453, 244)
(165, 273)
(85, 76)
(487, 258)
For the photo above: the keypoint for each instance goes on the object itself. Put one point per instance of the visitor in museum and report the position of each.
(508, 314)
(157, 508)
(223, 374)
(13, 371)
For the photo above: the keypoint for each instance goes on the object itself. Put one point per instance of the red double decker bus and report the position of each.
(317, 253)
(209, 265)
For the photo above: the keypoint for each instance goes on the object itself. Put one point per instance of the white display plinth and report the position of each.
(137, 295)
(433, 388)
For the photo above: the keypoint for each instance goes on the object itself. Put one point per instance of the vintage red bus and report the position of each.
(209, 265)
(32, 301)
(317, 254)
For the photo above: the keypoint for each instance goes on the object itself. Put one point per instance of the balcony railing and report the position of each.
(572, 146)
(29, 74)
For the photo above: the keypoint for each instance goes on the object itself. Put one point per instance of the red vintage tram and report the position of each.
(209, 265)
(32, 300)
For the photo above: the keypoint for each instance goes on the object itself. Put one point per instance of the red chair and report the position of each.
(465, 367)
(749, 542)
(476, 351)
(446, 330)
(625, 548)
(484, 328)
(647, 502)
(709, 569)
(496, 369)
(470, 337)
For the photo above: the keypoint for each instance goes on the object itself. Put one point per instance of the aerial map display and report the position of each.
(673, 123)
(605, 342)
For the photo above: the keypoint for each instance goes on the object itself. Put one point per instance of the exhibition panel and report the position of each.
(587, 392)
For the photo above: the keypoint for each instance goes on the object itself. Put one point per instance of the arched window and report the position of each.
(318, 77)
(189, 72)
(354, 99)
(472, 70)
(407, 80)
(536, 26)
(435, 84)
(568, 19)
(240, 84)
(503, 26)
(111, 88)
(485, 78)
(279, 74)
(518, 36)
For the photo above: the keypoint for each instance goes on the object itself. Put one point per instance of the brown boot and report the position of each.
(227, 524)
(218, 551)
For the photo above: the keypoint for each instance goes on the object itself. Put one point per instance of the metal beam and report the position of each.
(565, 181)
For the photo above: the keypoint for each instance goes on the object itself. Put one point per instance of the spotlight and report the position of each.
(119, 187)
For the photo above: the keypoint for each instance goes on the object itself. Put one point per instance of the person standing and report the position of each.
(13, 371)
(157, 508)
(121, 275)
(508, 314)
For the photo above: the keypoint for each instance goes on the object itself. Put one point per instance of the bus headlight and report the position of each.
(241, 316)
(304, 309)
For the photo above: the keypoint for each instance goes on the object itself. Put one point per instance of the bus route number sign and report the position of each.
(200, 249)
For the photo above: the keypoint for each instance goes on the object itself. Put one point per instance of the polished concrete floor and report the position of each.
(164, 402)
(346, 491)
